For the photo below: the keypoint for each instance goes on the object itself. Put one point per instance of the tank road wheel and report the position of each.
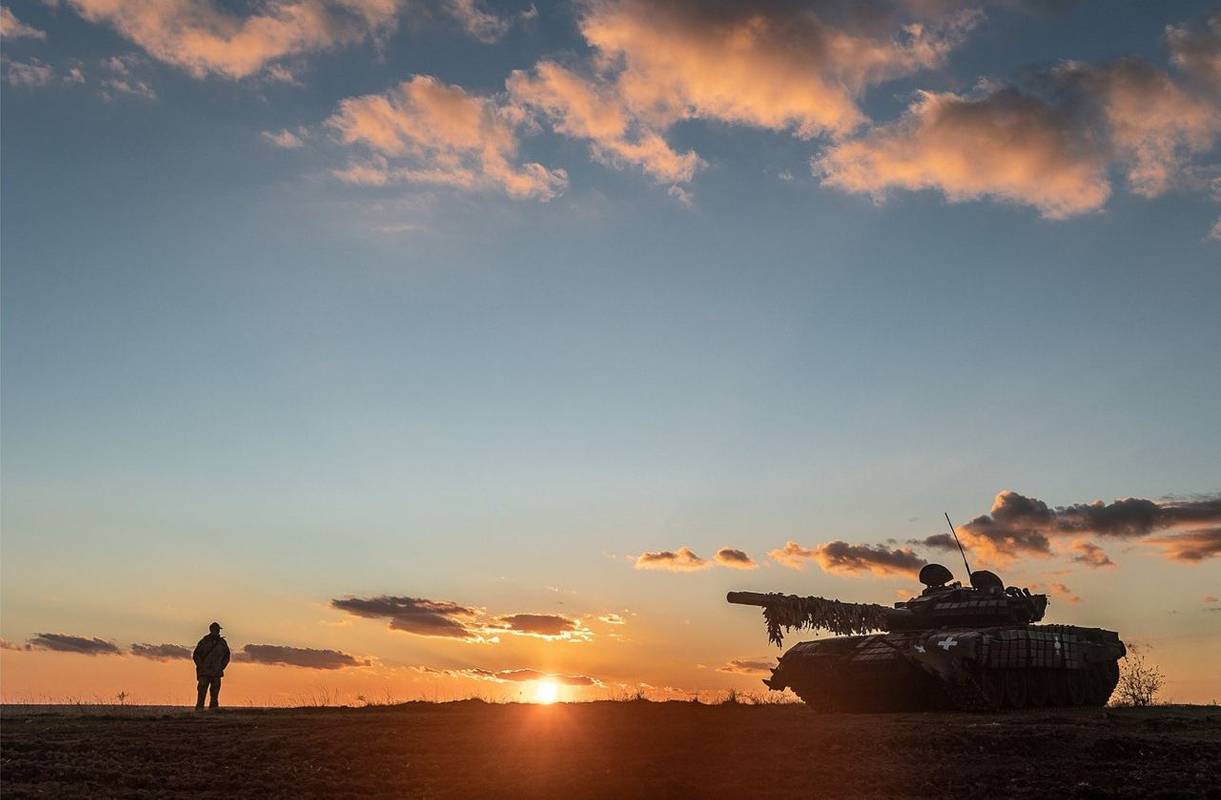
(980, 691)
(1013, 685)
(1057, 682)
(1077, 689)
(1038, 688)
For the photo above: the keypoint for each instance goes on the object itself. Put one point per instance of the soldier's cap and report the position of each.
(214, 625)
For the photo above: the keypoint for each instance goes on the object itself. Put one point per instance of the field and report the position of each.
(625, 749)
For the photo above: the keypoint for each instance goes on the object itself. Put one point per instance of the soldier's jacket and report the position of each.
(211, 656)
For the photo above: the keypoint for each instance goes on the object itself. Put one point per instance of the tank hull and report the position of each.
(974, 669)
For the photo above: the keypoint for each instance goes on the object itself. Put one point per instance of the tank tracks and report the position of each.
(987, 689)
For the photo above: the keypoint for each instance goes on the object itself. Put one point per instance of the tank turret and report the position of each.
(941, 605)
(953, 646)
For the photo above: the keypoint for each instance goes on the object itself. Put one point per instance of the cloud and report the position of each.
(1211, 598)
(545, 626)
(1214, 233)
(30, 74)
(583, 109)
(1048, 144)
(762, 665)
(682, 560)
(121, 64)
(5, 644)
(1006, 145)
(284, 138)
(1155, 125)
(441, 619)
(612, 619)
(792, 555)
(305, 657)
(446, 620)
(1057, 590)
(124, 86)
(426, 131)
(205, 37)
(1196, 49)
(734, 559)
(521, 676)
(13, 28)
(785, 66)
(480, 24)
(1016, 525)
(842, 557)
(1020, 525)
(773, 65)
(161, 652)
(1091, 555)
(938, 541)
(65, 643)
(1192, 546)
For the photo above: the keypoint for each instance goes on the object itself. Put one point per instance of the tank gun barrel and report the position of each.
(787, 611)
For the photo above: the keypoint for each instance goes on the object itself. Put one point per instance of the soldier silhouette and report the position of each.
(211, 656)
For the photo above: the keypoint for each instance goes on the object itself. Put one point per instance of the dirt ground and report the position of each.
(627, 749)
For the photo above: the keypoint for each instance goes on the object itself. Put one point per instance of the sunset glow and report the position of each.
(460, 349)
(546, 692)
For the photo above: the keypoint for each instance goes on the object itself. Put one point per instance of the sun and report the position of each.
(546, 692)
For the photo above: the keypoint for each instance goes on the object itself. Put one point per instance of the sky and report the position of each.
(447, 348)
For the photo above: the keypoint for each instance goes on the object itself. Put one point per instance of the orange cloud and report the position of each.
(1019, 525)
(842, 557)
(416, 615)
(305, 657)
(161, 652)
(542, 626)
(13, 28)
(734, 559)
(1155, 125)
(1006, 146)
(1049, 146)
(479, 23)
(682, 560)
(1196, 49)
(515, 676)
(285, 138)
(1091, 555)
(748, 666)
(446, 620)
(582, 109)
(1191, 546)
(67, 643)
(792, 555)
(426, 131)
(774, 65)
(1059, 590)
(204, 37)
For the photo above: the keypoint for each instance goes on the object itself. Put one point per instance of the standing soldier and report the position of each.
(211, 656)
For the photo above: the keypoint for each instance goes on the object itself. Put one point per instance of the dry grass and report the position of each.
(630, 749)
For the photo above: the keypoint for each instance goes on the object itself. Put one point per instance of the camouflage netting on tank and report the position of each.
(817, 613)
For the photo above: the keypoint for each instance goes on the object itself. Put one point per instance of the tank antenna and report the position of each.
(954, 533)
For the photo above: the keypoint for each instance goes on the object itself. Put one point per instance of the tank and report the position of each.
(972, 648)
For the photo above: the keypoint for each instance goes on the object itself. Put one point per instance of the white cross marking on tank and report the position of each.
(919, 648)
(947, 643)
(1057, 643)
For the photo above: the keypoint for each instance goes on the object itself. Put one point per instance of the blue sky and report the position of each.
(220, 359)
